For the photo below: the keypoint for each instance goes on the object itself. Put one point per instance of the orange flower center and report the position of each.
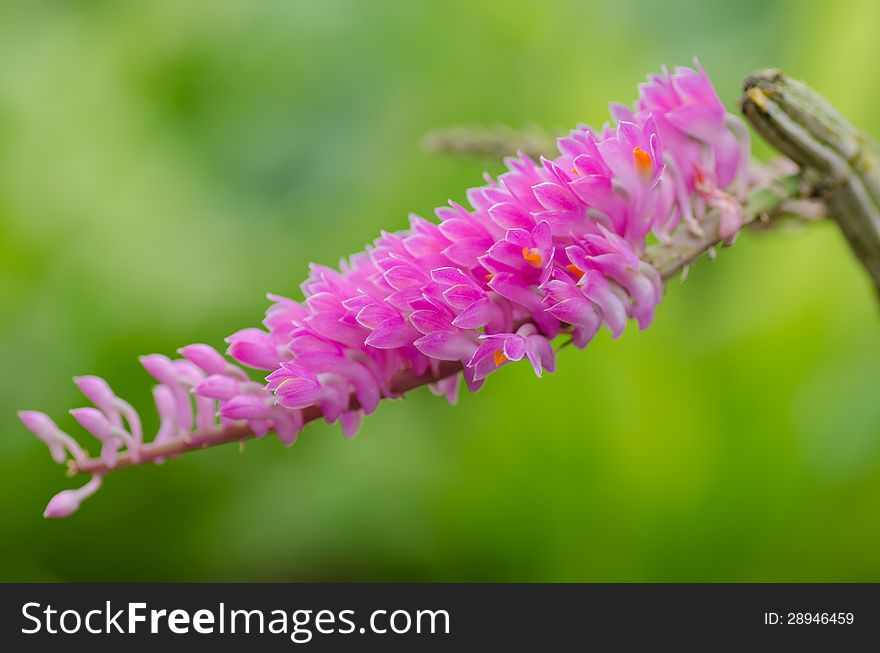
(642, 162)
(575, 270)
(499, 357)
(532, 256)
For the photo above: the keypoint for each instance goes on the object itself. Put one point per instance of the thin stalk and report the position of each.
(842, 164)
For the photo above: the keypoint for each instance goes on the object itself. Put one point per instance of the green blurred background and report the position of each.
(165, 164)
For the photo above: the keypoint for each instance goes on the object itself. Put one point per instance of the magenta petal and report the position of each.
(613, 309)
(374, 314)
(475, 316)
(542, 236)
(392, 333)
(403, 299)
(515, 289)
(259, 427)
(462, 296)
(554, 197)
(508, 253)
(351, 422)
(471, 381)
(404, 276)
(456, 229)
(206, 357)
(621, 112)
(445, 345)
(465, 252)
(427, 321)
(245, 407)
(298, 393)
(253, 348)
(514, 348)
(699, 121)
(482, 363)
(336, 329)
(576, 311)
(508, 215)
(218, 386)
(287, 424)
(519, 238)
(728, 159)
(449, 276)
(365, 389)
(628, 134)
(288, 370)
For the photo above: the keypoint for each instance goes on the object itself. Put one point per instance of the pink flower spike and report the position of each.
(67, 502)
(545, 249)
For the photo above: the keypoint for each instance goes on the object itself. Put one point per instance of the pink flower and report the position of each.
(498, 349)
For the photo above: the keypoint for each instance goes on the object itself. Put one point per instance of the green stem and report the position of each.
(842, 164)
(685, 246)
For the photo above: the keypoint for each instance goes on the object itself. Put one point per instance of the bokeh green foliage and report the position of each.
(164, 164)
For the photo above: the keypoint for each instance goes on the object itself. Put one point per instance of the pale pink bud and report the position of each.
(163, 370)
(287, 424)
(206, 357)
(45, 429)
(253, 348)
(160, 368)
(98, 391)
(62, 504)
(67, 502)
(218, 386)
(167, 410)
(247, 407)
(94, 421)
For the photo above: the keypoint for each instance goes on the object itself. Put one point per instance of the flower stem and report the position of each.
(842, 164)
(493, 142)
(685, 247)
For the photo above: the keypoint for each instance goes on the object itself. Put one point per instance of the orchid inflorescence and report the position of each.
(548, 248)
